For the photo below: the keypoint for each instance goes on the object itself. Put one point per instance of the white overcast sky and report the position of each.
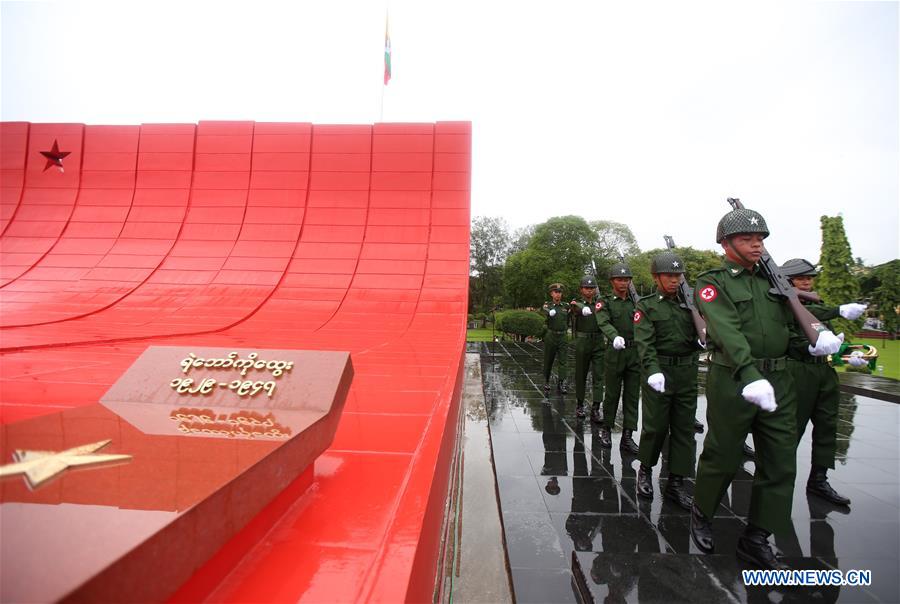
(647, 113)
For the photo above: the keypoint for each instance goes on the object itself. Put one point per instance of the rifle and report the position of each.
(687, 292)
(632, 292)
(781, 286)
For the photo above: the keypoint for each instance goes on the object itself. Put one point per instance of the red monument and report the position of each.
(239, 236)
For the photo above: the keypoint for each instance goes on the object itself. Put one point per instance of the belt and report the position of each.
(628, 343)
(667, 361)
(768, 365)
(558, 331)
(587, 334)
(815, 360)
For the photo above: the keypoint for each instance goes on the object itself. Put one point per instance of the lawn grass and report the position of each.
(479, 335)
(888, 356)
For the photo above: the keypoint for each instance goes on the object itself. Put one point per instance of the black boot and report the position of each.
(818, 485)
(675, 491)
(605, 438)
(748, 451)
(645, 482)
(579, 409)
(701, 531)
(698, 427)
(627, 444)
(753, 548)
(595, 413)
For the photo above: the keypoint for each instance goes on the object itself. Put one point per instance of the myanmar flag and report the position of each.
(387, 53)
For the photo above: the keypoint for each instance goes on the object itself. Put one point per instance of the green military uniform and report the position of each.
(556, 346)
(667, 343)
(589, 346)
(622, 371)
(749, 334)
(818, 394)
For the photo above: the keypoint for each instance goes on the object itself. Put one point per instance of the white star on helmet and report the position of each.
(674, 264)
(754, 220)
(622, 270)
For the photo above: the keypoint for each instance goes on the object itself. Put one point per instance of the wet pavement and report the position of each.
(560, 493)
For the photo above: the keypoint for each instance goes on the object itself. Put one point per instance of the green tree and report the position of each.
(836, 283)
(558, 250)
(488, 249)
(614, 238)
(695, 262)
(886, 296)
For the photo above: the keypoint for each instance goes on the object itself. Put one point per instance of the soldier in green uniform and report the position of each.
(668, 348)
(588, 345)
(748, 388)
(622, 371)
(818, 392)
(555, 344)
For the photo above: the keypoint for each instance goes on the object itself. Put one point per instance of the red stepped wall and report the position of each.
(267, 235)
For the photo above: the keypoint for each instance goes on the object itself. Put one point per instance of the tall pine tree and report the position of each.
(836, 284)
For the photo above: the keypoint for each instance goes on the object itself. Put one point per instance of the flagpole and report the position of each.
(387, 60)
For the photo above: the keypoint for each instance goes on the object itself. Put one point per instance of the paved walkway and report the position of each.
(561, 493)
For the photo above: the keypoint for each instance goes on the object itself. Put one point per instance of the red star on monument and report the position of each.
(54, 157)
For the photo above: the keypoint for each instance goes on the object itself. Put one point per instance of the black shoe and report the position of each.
(749, 452)
(595, 414)
(753, 548)
(675, 491)
(818, 485)
(698, 427)
(701, 531)
(605, 438)
(546, 386)
(579, 410)
(645, 482)
(627, 444)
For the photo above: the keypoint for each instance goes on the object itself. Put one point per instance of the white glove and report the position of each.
(657, 381)
(857, 361)
(585, 310)
(701, 344)
(552, 312)
(619, 343)
(853, 310)
(827, 343)
(761, 394)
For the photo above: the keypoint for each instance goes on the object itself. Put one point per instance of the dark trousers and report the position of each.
(589, 356)
(818, 397)
(671, 413)
(556, 347)
(730, 418)
(622, 376)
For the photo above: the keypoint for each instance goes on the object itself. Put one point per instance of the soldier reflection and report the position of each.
(554, 436)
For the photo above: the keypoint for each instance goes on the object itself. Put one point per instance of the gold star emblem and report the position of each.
(41, 466)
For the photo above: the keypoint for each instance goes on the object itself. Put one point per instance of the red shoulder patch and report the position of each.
(598, 305)
(708, 293)
(637, 316)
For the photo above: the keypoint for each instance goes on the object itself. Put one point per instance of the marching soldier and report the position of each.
(588, 345)
(622, 370)
(667, 343)
(555, 344)
(748, 389)
(818, 393)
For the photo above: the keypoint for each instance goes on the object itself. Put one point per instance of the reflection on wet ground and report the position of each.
(560, 493)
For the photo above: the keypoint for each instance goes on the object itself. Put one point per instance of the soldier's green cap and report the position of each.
(667, 262)
(620, 269)
(555, 287)
(741, 221)
(798, 267)
(588, 281)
